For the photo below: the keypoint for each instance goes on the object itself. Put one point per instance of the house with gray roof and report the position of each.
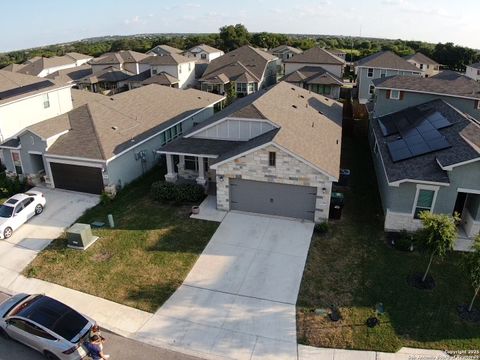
(163, 49)
(473, 71)
(395, 93)
(285, 52)
(275, 152)
(124, 60)
(428, 66)
(26, 100)
(203, 53)
(316, 79)
(245, 69)
(106, 141)
(316, 56)
(378, 66)
(427, 158)
(108, 81)
(180, 67)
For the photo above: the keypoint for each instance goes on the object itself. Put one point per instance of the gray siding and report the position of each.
(30, 142)
(125, 168)
(383, 105)
(364, 82)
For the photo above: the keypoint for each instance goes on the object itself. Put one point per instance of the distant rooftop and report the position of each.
(386, 60)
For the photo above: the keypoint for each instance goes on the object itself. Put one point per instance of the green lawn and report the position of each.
(353, 268)
(141, 262)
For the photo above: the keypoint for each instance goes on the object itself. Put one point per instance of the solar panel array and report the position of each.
(24, 89)
(418, 133)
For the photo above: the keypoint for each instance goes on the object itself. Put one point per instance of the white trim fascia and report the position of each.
(87, 163)
(427, 92)
(425, 187)
(425, 182)
(451, 167)
(186, 154)
(38, 94)
(35, 152)
(381, 157)
(73, 158)
(386, 68)
(219, 121)
(159, 132)
(54, 138)
(468, 191)
(10, 147)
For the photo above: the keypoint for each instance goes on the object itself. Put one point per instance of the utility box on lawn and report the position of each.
(80, 236)
(337, 201)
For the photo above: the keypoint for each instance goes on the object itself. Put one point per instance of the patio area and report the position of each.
(208, 210)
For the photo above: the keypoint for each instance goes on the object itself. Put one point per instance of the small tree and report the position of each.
(438, 235)
(472, 266)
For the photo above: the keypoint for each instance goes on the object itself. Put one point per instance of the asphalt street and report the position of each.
(118, 347)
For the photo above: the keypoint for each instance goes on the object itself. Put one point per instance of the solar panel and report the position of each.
(438, 144)
(399, 150)
(438, 121)
(25, 89)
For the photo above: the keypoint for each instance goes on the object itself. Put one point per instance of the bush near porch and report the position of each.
(353, 267)
(142, 261)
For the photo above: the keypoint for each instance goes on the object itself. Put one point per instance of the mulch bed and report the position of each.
(415, 280)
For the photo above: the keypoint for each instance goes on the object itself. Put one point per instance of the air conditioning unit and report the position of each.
(80, 236)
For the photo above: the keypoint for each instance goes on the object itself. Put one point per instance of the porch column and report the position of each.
(171, 175)
(181, 164)
(201, 172)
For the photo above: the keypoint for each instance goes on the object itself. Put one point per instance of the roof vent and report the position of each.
(112, 99)
(199, 97)
(114, 127)
(321, 113)
(313, 124)
(294, 106)
(303, 97)
(326, 99)
(293, 88)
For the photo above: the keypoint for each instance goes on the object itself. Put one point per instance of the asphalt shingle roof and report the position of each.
(313, 75)
(446, 82)
(316, 55)
(426, 167)
(421, 59)
(171, 59)
(386, 60)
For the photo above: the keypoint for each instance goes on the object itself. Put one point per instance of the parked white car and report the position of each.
(16, 210)
(46, 325)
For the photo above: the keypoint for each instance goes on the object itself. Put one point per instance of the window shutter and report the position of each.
(388, 94)
(401, 95)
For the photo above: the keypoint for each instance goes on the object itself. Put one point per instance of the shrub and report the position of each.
(9, 187)
(321, 228)
(105, 198)
(165, 191)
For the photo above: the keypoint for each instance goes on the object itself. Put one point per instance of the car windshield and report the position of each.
(6, 211)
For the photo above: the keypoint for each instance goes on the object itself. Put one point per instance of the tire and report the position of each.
(7, 232)
(4, 334)
(49, 356)
(38, 209)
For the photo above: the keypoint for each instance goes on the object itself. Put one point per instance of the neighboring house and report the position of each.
(274, 152)
(396, 93)
(135, 81)
(427, 158)
(26, 100)
(316, 57)
(178, 66)
(316, 79)
(125, 60)
(473, 71)
(164, 50)
(106, 142)
(285, 52)
(428, 66)
(43, 66)
(71, 75)
(377, 66)
(203, 52)
(162, 78)
(245, 69)
(338, 53)
(110, 80)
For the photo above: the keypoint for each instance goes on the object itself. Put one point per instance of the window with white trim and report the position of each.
(395, 94)
(191, 163)
(425, 198)
(383, 73)
(370, 72)
(421, 66)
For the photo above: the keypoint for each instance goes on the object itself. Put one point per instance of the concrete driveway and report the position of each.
(239, 299)
(61, 210)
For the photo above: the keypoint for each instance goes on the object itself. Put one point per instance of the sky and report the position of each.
(31, 23)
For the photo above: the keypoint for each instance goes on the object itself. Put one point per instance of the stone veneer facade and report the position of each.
(288, 170)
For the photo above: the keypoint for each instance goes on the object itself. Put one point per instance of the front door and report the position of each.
(460, 203)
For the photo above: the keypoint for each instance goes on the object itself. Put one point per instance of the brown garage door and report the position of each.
(77, 178)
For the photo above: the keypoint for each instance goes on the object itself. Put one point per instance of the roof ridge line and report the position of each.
(99, 143)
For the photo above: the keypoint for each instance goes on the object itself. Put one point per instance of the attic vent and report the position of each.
(293, 88)
(313, 124)
(112, 99)
(199, 97)
(326, 99)
(294, 106)
(321, 113)
(303, 97)
(114, 127)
